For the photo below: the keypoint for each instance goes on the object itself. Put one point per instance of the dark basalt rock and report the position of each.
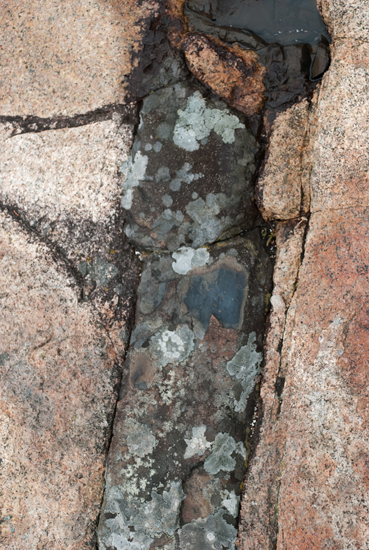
(189, 179)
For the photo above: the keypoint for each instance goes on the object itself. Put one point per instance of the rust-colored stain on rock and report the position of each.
(232, 73)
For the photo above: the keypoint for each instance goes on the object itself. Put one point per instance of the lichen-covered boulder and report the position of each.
(189, 179)
(178, 453)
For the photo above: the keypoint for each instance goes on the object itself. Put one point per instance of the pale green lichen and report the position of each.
(134, 172)
(197, 121)
(221, 458)
(211, 533)
(244, 366)
(141, 441)
(184, 175)
(135, 524)
(198, 443)
(172, 346)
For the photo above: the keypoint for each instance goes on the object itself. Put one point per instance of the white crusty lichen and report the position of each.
(189, 258)
(197, 121)
(198, 444)
(134, 172)
(231, 503)
(172, 346)
(244, 366)
(211, 533)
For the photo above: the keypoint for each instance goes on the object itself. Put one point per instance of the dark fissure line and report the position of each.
(13, 211)
(34, 124)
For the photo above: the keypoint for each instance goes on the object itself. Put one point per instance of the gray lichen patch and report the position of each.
(198, 444)
(244, 366)
(188, 258)
(133, 524)
(196, 122)
(188, 181)
(172, 346)
(212, 533)
(134, 170)
(141, 441)
(223, 456)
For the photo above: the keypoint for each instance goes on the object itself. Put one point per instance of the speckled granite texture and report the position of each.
(307, 485)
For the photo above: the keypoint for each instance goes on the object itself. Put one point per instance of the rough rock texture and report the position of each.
(68, 278)
(69, 58)
(59, 376)
(73, 190)
(189, 178)
(259, 513)
(340, 172)
(280, 187)
(245, 72)
(307, 486)
(177, 458)
(283, 189)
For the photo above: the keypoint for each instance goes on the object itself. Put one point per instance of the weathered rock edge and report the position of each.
(307, 485)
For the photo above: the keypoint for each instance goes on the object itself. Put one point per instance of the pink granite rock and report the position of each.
(59, 377)
(64, 58)
(307, 485)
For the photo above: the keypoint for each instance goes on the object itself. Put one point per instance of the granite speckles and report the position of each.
(69, 58)
(59, 376)
(307, 485)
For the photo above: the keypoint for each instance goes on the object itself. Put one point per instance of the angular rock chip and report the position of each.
(178, 452)
(282, 184)
(59, 372)
(188, 181)
(234, 74)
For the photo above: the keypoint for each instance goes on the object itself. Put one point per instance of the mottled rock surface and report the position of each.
(189, 178)
(68, 278)
(66, 186)
(233, 73)
(178, 453)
